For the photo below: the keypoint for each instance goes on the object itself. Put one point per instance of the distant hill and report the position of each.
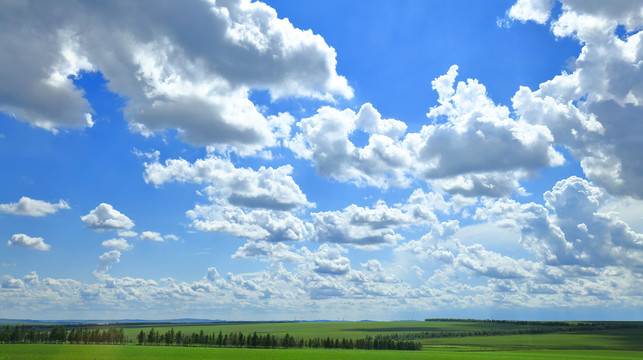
(71, 321)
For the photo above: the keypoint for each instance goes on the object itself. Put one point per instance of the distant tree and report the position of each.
(141, 337)
(169, 337)
(151, 336)
(32, 336)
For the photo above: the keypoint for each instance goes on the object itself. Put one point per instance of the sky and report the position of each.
(322, 159)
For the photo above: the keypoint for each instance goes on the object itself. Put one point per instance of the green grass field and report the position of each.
(105, 352)
(617, 343)
(609, 340)
(353, 330)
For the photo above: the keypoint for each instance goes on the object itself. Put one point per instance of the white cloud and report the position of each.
(370, 120)
(200, 88)
(105, 218)
(106, 261)
(127, 233)
(480, 149)
(472, 147)
(42, 95)
(434, 244)
(36, 243)
(493, 265)
(361, 227)
(31, 278)
(594, 111)
(376, 272)
(536, 10)
(9, 282)
(256, 205)
(118, 244)
(277, 252)
(575, 233)
(265, 188)
(324, 139)
(151, 236)
(31, 207)
(329, 260)
(171, 237)
(626, 12)
(327, 284)
(256, 224)
(377, 226)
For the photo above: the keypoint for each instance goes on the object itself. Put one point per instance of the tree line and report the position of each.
(254, 340)
(112, 335)
(537, 327)
(506, 322)
(60, 335)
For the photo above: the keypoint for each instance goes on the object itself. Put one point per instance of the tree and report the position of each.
(151, 337)
(169, 337)
(31, 335)
(141, 337)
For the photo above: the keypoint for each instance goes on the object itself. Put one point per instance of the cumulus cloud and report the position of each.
(437, 244)
(535, 10)
(105, 218)
(377, 226)
(594, 110)
(151, 236)
(277, 252)
(127, 233)
(36, 243)
(254, 224)
(626, 12)
(574, 232)
(31, 278)
(327, 281)
(472, 147)
(30, 207)
(9, 282)
(365, 227)
(171, 237)
(253, 204)
(329, 260)
(265, 188)
(493, 265)
(324, 273)
(149, 56)
(325, 140)
(118, 244)
(479, 149)
(106, 261)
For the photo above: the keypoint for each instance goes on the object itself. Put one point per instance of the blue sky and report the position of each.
(321, 160)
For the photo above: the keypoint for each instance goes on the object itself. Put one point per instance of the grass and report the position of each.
(624, 343)
(105, 352)
(305, 330)
(616, 339)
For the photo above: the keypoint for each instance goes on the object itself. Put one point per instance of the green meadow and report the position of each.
(107, 352)
(352, 330)
(599, 342)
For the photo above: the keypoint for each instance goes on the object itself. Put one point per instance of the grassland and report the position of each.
(605, 343)
(352, 330)
(106, 352)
